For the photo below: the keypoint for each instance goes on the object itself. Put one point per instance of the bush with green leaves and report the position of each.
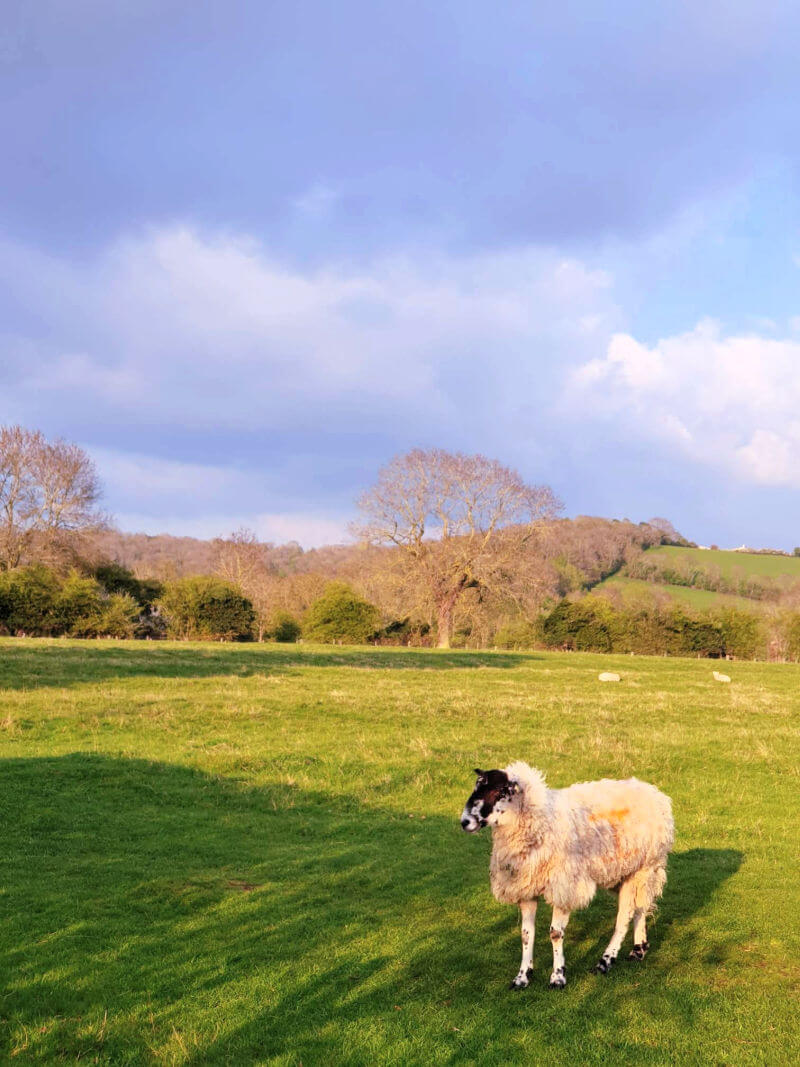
(791, 630)
(340, 615)
(743, 633)
(284, 627)
(116, 616)
(115, 578)
(587, 625)
(79, 601)
(206, 609)
(519, 634)
(28, 597)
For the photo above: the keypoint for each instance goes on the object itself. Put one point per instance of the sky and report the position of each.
(249, 251)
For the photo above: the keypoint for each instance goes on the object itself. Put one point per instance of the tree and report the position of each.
(459, 522)
(243, 560)
(207, 609)
(28, 597)
(340, 615)
(48, 491)
(239, 558)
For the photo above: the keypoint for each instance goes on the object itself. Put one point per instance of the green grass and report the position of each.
(635, 590)
(244, 855)
(730, 563)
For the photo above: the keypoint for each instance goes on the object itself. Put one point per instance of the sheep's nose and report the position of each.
(465, 823)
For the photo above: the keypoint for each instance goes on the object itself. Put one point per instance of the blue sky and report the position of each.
(249, 251)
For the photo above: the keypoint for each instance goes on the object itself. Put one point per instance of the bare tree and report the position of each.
(243, 560)
(240, 557)
(49, 492)
(459, 522)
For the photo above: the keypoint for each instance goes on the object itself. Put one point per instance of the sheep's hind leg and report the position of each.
(558, 979)
(640, 942)
(624, 916)
(528, 910)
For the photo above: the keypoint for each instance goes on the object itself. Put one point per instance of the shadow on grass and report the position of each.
(31, 664)
(153, 911)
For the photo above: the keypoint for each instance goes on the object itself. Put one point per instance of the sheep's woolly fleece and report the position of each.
(561, 844)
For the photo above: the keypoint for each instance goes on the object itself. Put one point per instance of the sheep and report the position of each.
(561, 844)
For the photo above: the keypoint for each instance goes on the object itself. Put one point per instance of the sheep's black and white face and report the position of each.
(490, 798)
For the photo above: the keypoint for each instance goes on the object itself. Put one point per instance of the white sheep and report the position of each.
(561, 844)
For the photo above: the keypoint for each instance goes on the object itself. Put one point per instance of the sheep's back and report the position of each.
(623, 825)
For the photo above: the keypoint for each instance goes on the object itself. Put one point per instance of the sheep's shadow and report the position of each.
(143, 892)
(693, 878)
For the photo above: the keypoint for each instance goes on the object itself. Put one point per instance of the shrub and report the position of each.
(116, 616)
(79, 601)
(519, 634)
(792, 636)
(284, 627)
(28, 598)
(115, 578)
(404, 632)
(340, 615)
(202, 608)
(742, 633)
(587, 625)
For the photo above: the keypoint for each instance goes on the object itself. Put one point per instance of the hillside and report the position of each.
(707, 578)
(634, 591)
(730, 563)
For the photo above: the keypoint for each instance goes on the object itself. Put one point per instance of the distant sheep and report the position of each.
(719, 677)
(561, 844)
(608, 676)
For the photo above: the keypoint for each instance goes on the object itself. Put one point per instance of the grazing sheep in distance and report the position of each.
(561, 844)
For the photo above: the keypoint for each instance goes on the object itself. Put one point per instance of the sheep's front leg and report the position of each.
(558, 979)
(528, 910)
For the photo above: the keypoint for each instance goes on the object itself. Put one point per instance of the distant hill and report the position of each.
(573, 554)
(707, 578)
(164, 556)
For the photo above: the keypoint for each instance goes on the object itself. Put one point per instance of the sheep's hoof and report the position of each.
(604, 966)
(638, 952)
(522, 980)
(558, 979)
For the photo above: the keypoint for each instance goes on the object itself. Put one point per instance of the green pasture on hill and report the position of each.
(730, 564)
(636, 591)
(251, 855)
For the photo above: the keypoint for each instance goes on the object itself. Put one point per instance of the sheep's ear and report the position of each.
(479, 772)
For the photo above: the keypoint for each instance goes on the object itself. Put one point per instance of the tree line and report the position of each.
(450, 550)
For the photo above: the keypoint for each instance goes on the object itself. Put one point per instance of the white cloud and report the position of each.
(309, 530)
(209, 331)
(179, 336)
(731, 402)
(134, 474)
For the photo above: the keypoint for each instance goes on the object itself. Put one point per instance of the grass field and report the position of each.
(634, 590)
(246, 855)
(730, 563)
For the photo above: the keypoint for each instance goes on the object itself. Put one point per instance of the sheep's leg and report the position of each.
(528, 910)
(558, 924)
(624, 916)
(640, 942)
